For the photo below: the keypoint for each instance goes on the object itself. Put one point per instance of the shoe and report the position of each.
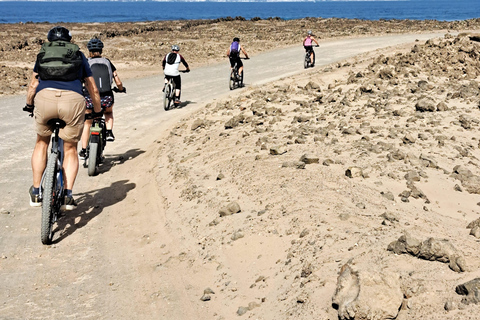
(82, 154)
(68, 204)
(35, 199)
(110, 136)
(177, 102)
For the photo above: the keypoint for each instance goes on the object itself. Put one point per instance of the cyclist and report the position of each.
(307, 44)
(233, 54)
(56, 92)
(170, 64)
(103, 72)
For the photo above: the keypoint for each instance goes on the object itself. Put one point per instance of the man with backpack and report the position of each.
(233, 53)
(170, 64)
(104, 73)
(55, 92)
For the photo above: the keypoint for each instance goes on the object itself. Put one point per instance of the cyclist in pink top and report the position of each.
(307, 44)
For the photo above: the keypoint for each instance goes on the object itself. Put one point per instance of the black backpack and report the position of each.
(102, 73)
(59, 60)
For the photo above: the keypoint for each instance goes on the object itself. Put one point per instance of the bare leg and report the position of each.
(39, 159)
(86, 131)
(109, 117)
(70, 163)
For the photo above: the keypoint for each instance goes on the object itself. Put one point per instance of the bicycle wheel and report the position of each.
(92, 158)
(168, 96)
(232, 80)
(48, 203)
(307, 61)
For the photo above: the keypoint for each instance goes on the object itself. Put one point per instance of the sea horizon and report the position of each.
(90, 11)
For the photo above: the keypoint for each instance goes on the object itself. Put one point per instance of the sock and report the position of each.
(68, 192)
(36, 190)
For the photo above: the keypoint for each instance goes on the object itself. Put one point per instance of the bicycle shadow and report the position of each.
(184, 104)
(90, 205)
(112, 160)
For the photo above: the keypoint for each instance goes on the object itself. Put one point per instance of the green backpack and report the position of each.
(59, 60)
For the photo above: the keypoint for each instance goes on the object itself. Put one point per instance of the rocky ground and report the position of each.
(137, 48)
(350, 191)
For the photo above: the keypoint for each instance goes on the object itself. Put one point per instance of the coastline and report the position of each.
(136, 48)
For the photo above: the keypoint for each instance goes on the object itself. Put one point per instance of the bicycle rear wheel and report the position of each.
(168, 96)
(307, 61)
(233, 80)
(49, 199)
(92, 158)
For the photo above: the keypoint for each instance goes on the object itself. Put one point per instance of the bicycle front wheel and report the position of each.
(92, 158)
(49, 203)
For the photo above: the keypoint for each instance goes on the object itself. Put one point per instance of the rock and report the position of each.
(199, 123)
(471, 291)
(277, 151)
(237, 235)
(4, 211)
(235, 121)
(388, 195)
(425, 105)
(294, 164)
(220, 176)
(367, 294)
(231, 208)
(309, 159)
(412, 176)
(242, 310)
(430, 249)
(354, 172)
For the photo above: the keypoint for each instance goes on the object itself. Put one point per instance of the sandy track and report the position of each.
(118, 256)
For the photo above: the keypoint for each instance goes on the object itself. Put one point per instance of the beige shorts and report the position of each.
(62, 104)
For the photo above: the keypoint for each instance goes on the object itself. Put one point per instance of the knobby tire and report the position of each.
(48, 203)
(232, 80)
(168, 96)
(92, 158)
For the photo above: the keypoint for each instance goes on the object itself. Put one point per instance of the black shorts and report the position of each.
(177, 80)
(236, 60)
(308, 48)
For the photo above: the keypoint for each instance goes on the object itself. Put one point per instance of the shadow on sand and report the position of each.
(90, 205)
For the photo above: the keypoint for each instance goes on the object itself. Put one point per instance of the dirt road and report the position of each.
(117, 255)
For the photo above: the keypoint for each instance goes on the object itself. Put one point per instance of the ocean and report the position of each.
(124, 11)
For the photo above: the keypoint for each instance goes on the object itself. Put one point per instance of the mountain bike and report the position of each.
(169, 93)
(53, 183)
(307, 63)
(96, 144)
(235, 80)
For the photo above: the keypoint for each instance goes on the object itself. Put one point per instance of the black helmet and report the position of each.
(95, 45)
(175, 48)
(59, 34)
(236, 39)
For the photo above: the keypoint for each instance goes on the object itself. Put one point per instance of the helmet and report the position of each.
(59, 34)
(175, 48)
(309, 32)
(95, 45)
(236, 39)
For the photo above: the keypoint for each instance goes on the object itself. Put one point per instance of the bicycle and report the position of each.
(169, 92)
(96, 144)
(236, 80)
(307, 63)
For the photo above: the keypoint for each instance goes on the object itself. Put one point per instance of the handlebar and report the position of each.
(184, 71)
(118, 90)
(29, 108)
